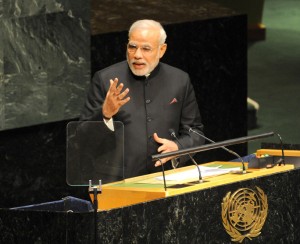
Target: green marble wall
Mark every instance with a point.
(44, 60)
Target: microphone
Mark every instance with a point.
(172, 133)
(225, 148)
(281, 160)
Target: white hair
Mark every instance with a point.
(146, 24)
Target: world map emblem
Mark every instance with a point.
(244, 213)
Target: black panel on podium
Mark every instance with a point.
(94, 152)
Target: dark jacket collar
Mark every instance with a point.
(143, 77)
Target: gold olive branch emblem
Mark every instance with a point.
(244, 213)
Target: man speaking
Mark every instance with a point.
(149, 97)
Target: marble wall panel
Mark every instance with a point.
(21, 8)
(69, 76)
(1, 8)
(23, 44)
(1, 44)
(44, 60)
(1, 104)
(25, 97)
(1, 72)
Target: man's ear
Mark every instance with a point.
(163, 49)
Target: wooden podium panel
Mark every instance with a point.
(148, 187)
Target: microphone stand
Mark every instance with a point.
(281, 160)
(163, 171)
(225, 148)
(95, 190)
(206, 147)
(172, 132)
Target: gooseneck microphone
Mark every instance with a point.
(172, 133)
(281, 160)
(225, 148)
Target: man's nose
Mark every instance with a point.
(138, 53)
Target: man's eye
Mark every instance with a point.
(132, 46)
(146, 49)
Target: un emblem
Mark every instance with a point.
(244, 213)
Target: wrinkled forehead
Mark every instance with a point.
(145, 35)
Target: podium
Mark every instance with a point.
(190, 214)
(173, 206)
(196, 213)
(150, 187)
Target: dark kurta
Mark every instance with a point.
(165, 100)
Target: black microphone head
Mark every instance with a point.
(172, 132)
